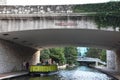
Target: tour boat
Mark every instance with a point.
(43, 69)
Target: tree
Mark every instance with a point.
(57, 55)
(93, 52)
(45, 54)
(103, 55)
(96, 53)
(70, 54)
(60, 55)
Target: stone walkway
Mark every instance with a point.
(110, 72)
(12, 74)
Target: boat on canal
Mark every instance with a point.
(43, 69)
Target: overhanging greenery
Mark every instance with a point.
(107, 14)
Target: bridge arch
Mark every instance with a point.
(39, 30)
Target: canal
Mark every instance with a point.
(78, 73)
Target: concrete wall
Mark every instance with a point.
(42, 23)
(111, 59)
(35, 58)
(118, 60)
(12, 56)
(20, 24)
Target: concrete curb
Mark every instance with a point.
(12, 74)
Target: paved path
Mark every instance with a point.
(111, 72)
(12, 74)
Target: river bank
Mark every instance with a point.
(109, 72)
(66, 66)
(62, 66)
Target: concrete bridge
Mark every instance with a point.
(25, 30)
(88, 60)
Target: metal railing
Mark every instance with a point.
(88, 59)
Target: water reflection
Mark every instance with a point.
(44, 78)
(83, 73)
(79, 73)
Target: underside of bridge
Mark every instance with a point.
(64, 37)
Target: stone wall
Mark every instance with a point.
(111, 59)
(118, 60)
(12, 56)
(9, 25)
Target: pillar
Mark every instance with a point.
(110, 54)
(35, 58)
(96, 63)
(118, 60)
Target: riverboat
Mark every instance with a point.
(43, 69)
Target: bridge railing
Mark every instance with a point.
(90, 60)
(35, 9)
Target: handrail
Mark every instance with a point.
(90, 59)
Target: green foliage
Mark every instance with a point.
(99, 7)
(93, 52)
(96, 53)
(60, 55)
(57, 55)
(107, 14)
(105, 21)
(103, 55)
(45, 54)
(70, 54)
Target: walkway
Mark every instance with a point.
(110, 72)
(12, 74)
